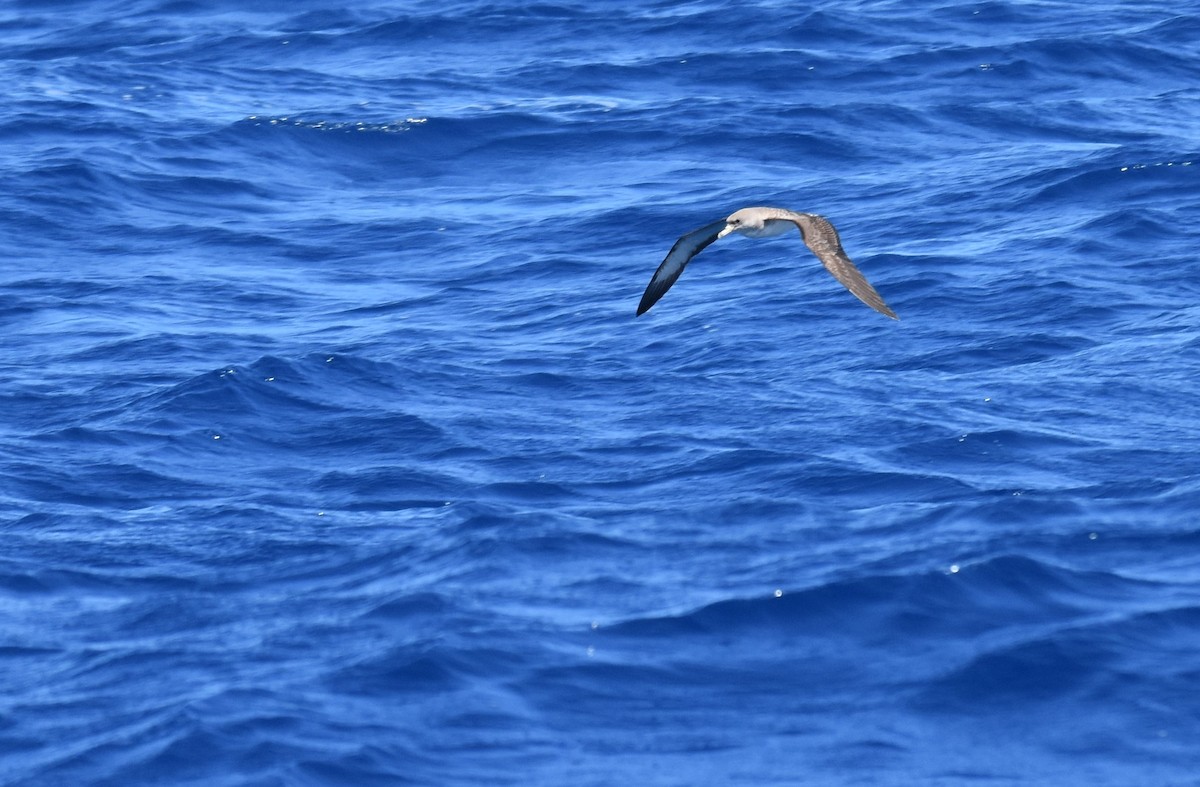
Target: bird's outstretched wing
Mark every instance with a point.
(822, 239)
(681, 253)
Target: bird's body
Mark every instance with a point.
(818, 234)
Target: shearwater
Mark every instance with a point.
(818, 234)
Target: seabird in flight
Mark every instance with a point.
(818, 234)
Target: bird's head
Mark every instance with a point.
(739, 221)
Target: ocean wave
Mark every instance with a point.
(333, 451)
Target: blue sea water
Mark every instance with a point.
(332, 452)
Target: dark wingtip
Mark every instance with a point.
(883, 308)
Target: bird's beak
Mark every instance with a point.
(728, 229)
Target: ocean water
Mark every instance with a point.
(332, 452)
